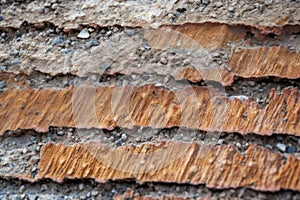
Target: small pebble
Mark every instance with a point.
(88, 195)
(124, 137)
(281, 147)
(230, 9)
(216, 55)
(155, 132)
(163, 61)
(1, 18)
(166, 79)
(201, 8)
(145, 77)
(55, 6)
(177, 14)
(33, 138)
(16, 52)
(186, 62)
(91, 30)
(133, 76)
(37, 149)
(108, 33)
(84, 34)
(256, 5)
(44, 187)
(105, 66)
(205, 2)
(130, 32)
(2, 84)
(22, 188)
(269, 146)
(219, 4)
(291, 149)
(60, 133)
(279, 138)
(147, 47)
(3, 68)
(95, 193)
(251, 83)
(34, 169)
(81, 186)
(91, 43)
(115, 29)
(111, 138)
(119, 143)
(220, 141)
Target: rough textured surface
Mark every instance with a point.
(118, 47)
(184, 52)
(250, 63)
(72, 14)
(219, 167)
(108, 107)
(129, 194)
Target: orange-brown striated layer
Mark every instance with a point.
(265, 61)
(172, 162)
(249, 63)
(108, 107)
(207, 35)
(211, 35)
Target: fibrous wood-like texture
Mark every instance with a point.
(249, 63)
(107, 107)
(207, 35)
(218, 167)
(272, 61)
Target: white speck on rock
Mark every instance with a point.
(84, 34)
(281, 147)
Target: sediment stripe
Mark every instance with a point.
(194, 107)
(249, 63)
(172, 162)
(200, 40)
(129, 194)
(141, 14)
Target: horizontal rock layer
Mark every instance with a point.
(117, 55)
(249, 63)
(72, 14)
(202, 108)
(217, 167)
(129, 194)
